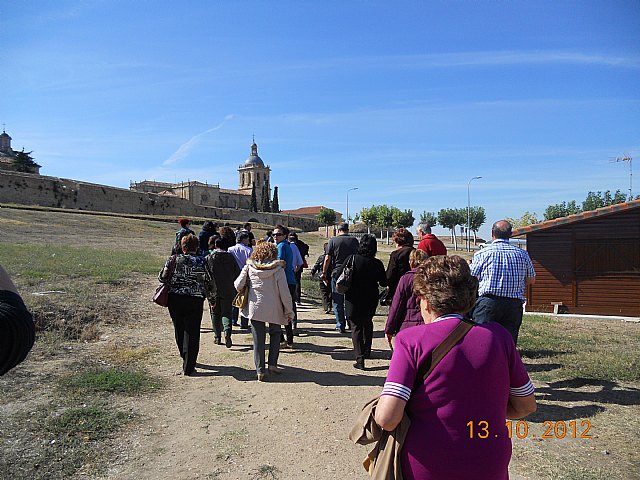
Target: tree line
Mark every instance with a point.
(453, 217)
(593, 201)
(387, 217)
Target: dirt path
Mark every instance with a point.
(224, 424)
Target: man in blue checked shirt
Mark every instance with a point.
(503, 271)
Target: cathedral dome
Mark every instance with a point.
(254, 159)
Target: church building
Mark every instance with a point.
(15, 161)
(252, 172)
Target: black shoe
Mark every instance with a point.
(218, 341)
(359, 366)
(227, 341)
(192, 373)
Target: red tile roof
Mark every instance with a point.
(308, 211)
(579, 217)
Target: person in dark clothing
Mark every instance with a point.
(361, 299)
(339, 249)
(405, 308)
(398, 260)
(185, 223)
(223, 270)
(303, 248)
(208, 230)
(17, 330)
(324, 288)
(187, 277)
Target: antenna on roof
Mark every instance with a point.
(626, 158)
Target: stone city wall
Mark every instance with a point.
(29, 189)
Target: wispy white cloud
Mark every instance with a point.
(474, 59)
(184, 149)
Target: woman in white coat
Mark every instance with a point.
(269, 301)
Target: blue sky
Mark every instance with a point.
(404, 100)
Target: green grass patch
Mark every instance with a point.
(586, 349)
(33, 264)
(92, 422)
(112, 380)
(50, 441)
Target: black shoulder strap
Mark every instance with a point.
(441, 350)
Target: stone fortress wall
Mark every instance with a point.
(33, 189)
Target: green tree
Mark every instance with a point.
(23, 162)
(450, 218)
(477, 217)
(402, 218)
(561, 210)
(384, 219)
(428, 218)
(369, 217)
(275, 207)
(598, 200)
(266, 203)
(527, 218)
(326, 217)
(253, 207)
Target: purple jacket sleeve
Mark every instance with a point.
(398, 308)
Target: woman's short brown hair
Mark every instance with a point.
(184, 222)
(416, 257)
(265, 251)
(189, 243)
(447, 284)
(228, 235)
(402, 237)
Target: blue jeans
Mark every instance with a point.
(259, 331)
(338, 305)
(503, 310)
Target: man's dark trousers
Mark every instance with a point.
(503, 310)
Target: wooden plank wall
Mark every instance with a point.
(592, 267)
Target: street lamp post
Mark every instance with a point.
(354, 188)
(469, 212)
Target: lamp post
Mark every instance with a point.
(469, 212)
(354, 188)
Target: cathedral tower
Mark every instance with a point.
(253, 171)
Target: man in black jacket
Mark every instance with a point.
(339, 249)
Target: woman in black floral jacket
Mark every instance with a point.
(186, 275)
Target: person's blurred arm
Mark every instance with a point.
(6, 283)
(520, 407)
(17, 330)
(389, 412)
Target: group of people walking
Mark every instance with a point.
(460, 320)
(267, 271)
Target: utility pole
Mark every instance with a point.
(469, 212)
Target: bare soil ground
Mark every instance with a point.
(223, 424)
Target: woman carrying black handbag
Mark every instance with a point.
(361, 300)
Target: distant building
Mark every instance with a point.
(9, 158)
(252, 172)
(311, 212)
(588, 263)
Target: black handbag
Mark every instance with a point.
(343, 283)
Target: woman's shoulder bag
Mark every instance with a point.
(161, 295)
(343, 283)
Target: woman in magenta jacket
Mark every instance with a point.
(405, 309)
